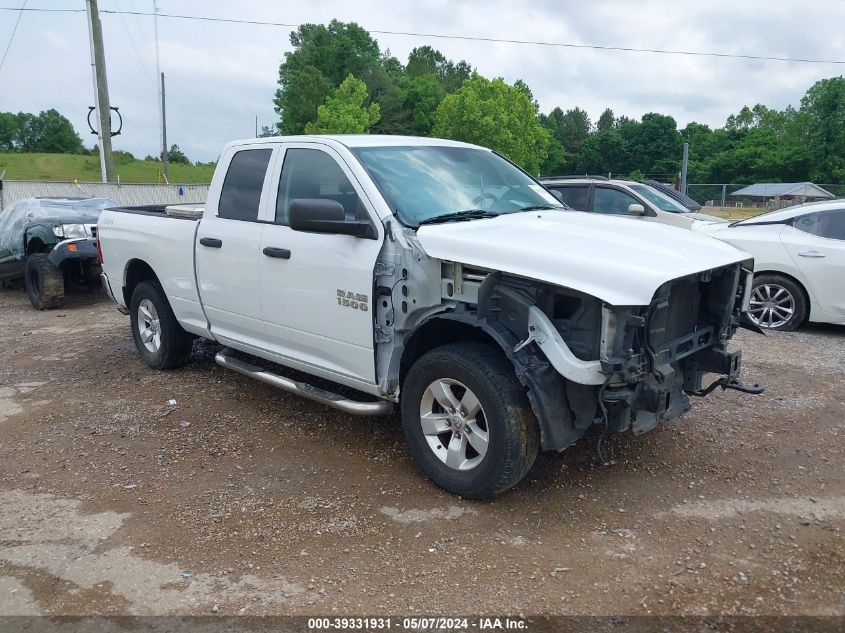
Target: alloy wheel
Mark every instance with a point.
(772, 306)
(149, 326)
(454, 424)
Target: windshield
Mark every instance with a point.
(426, 182)
(658, 199)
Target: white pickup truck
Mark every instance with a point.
(436, 275)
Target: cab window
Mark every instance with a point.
(242, 186)
(312, 173)
(614, 201)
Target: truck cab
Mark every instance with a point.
(438, 276)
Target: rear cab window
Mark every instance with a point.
(241, 192)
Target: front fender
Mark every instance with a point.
(39, 232)
(547, 390)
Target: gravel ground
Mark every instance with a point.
(240, 499)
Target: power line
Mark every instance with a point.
(14, 30)
(135, 48)
(470, 38)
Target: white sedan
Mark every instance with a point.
(799, 263)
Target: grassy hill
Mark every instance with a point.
(20, 166)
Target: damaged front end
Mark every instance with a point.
(635, 370)
(678, 339)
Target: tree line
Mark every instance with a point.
(337, 80)
(51, 132)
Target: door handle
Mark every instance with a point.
(812, 254)
(211, 242)
(278, 253)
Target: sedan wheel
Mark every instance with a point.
(772, 306)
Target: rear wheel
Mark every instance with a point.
(45, 284)
(468, 421)
(160, 340)
(777, 303)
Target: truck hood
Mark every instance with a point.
(616, 260)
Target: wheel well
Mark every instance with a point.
(778, 273)
(136, 272)
(35, 245)
(435, 333)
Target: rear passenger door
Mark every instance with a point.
(816, 243)
(317, 288)
(227, 248)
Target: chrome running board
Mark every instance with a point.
(379, 407)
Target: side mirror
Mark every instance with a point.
(557, 194)
(324, 215)
(636, 209)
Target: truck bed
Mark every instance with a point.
(165, 242)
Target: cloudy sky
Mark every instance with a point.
(221, 76)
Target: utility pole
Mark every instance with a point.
(163, 133)
(684, 166)
(161, 121)
(101, 90)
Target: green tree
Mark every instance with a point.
(425, 60)
(574, 127)
(495, 115)
(653, 145)
(606, 121)
(344, 111)
(28, 137)
(422, 95)
(47, 131)
(8, 131)
(823, 112)
(298, 102)
(57, 134)
(323, 56)
(176, 155)
(604, 152)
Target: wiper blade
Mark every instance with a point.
(455, 216)
(542, 207)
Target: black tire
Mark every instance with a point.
(175, 345)
(801, 309)
(512, 429)
(45, 284)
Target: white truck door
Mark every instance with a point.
(317, 288)
(227, 247)
(816, 243)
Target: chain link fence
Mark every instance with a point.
(124, 194)
(719, 195)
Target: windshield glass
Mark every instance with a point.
(658, 199)
(425, 182)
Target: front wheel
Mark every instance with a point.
(160, 340)
(468, 421)
(777, 303)
(45, 284)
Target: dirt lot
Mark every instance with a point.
(239, 499)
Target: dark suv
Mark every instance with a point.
(50, 243)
